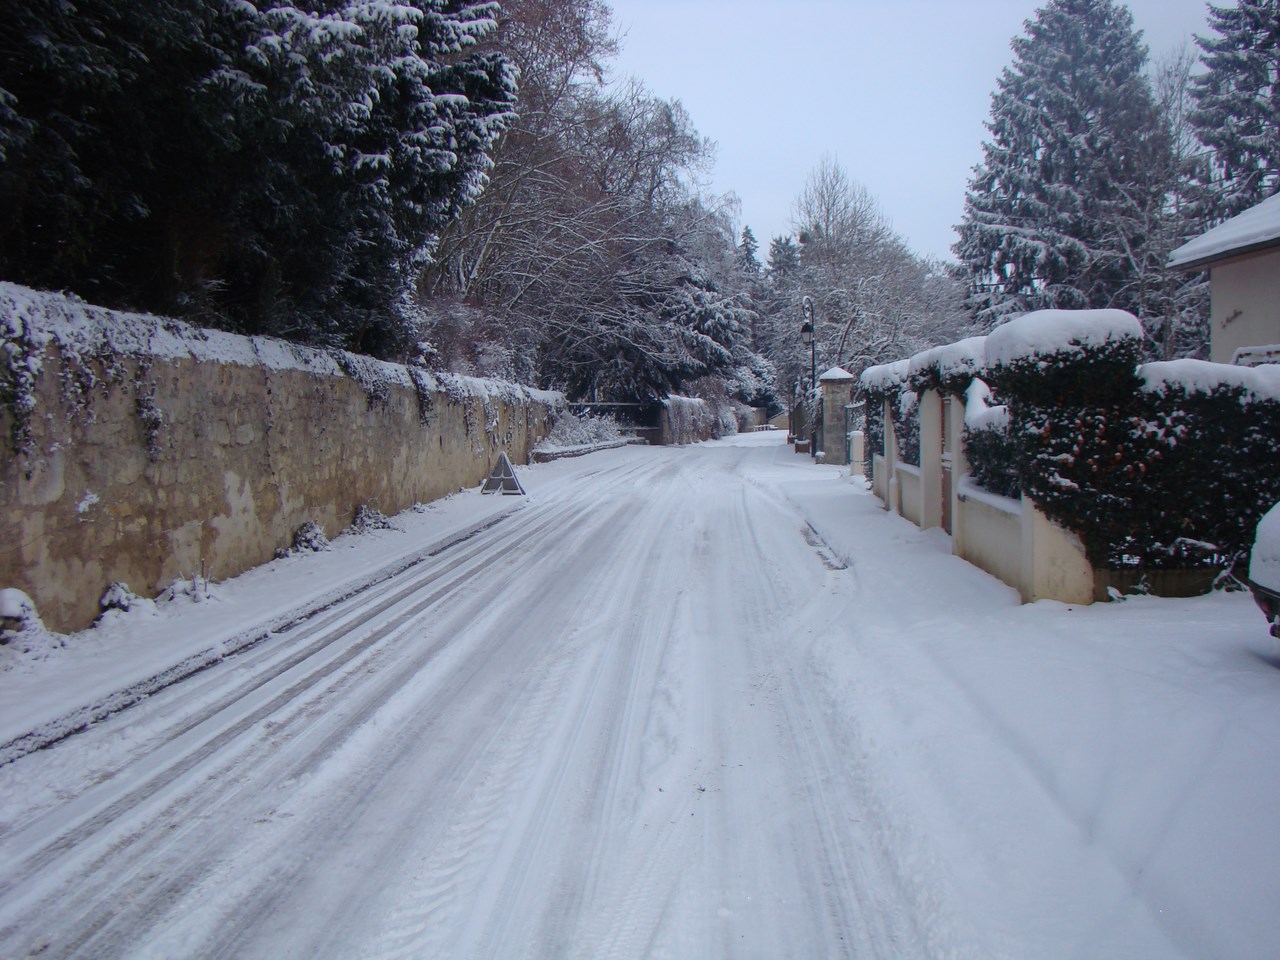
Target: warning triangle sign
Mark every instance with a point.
(503, 479)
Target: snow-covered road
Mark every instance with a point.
(661, 710)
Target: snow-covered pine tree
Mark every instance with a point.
(268, 168)
(748, 262)
(1237, 105)
(1060, 203)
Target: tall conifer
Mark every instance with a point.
(1060, 204)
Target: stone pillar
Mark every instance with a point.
(837, 391)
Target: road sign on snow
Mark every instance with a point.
(503, 479)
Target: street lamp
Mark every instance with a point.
(808, 338)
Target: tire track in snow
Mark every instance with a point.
(546, 527)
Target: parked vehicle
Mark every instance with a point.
(1264, 568)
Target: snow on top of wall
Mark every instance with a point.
(1257, 225)
(1044, 332)
(1202, 376)
(963, 356)
(835, 374)
(1264, 564)
(886, 377)
(42, 318)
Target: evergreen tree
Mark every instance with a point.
(1237, 105)
(784, 258)
(748, 263)
(272, 170)
(1056, 215)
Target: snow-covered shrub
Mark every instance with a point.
(310, 537)
(1068, 377)
(948, 369)
(197, 589)
(21, 629)
(689, 419)
(118, 596)
(369, 517)
(879, 383)
(990, 450)
(1207, 435)
(579, 430)
(118, 600)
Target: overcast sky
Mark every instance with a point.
(896, 90)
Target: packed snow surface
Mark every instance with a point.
(1259, 224)
(695, 702)
(1049, 332)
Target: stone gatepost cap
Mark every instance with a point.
(835, 375)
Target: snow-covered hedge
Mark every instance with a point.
(571, 430)
(950, 368)
(1165, 464)
(992, 456)
(890, 381)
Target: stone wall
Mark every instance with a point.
(143, 450)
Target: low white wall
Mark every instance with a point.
(909, 490)
(988, 532)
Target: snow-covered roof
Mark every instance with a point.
(1045, 332)
(1256, 229)
(835, 374)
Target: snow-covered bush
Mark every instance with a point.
(310, 537)
(369, 517)
(1162, 465)
(21, 629)
(991, 452)
(1206, 438)
(118, 600)
(198, 588)
(948, 369)
(885, 381)
(579, 430)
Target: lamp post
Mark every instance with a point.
(808, 338)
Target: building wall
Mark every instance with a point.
(143, 465)
(1245, 307)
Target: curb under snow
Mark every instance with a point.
(50, 732)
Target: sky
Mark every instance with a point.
(895, 90)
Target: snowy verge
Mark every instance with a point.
(545, 454)
(126, 658)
